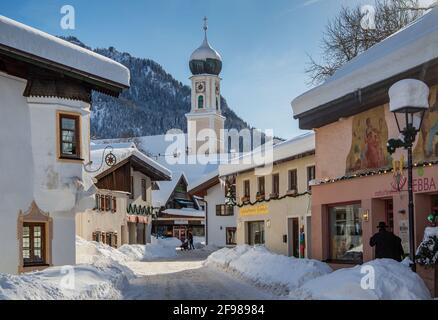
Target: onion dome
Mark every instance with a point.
(205, 60)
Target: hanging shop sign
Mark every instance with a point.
(181, 222)
(254, 210)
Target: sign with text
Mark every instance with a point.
(254, 210)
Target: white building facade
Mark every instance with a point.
(45, 89)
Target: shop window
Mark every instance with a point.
(33, 244)
(69, 136)
(293, 180)
(346, 243)
(275, 185)
(311, 175)
(256, 232)
(143, 189)
(261, 186)
(231, 236)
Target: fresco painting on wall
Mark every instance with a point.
(368, 147)
(427, 145)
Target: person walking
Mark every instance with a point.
(190, 238)
(388, 245)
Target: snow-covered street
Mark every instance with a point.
(161, 271)
(185, 277)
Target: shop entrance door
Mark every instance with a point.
(389, 214)
(179, 232)
(293, 237)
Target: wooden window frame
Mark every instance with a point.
(35, 216)
(223, 210)
(78, 136)
(313, 167)
(114, 205)
(276, 184)
(32, 262)
(259, 184)
(246, 187)
(293, 185)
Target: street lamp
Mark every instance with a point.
(409, 101)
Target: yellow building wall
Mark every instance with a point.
(275, 213)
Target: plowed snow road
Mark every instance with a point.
(185, 278)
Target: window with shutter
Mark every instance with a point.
(143, 189)
(293, 180)
(114, 205)
(96, 206)
(132, 188)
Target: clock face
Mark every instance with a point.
(200, 87)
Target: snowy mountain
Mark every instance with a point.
(155, 103)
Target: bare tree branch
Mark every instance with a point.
(345, 38)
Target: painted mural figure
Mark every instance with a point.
(427, 146)
(368, 149)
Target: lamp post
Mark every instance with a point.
(409, 100)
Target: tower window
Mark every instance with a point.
(200, 102)
(217, 103)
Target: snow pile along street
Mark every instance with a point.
(310, 279)
(266, 269)
(382, 279)
(65, 283)
(158, 248)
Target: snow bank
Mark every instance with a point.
(89, 252)
(393, 281)
(267, 269)
(103, 280)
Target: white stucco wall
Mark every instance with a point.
(30, 170)
(217, 224)
(16, 173)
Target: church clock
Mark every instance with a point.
(200, 87)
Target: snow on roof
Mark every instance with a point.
(161, 196)
(32, 41)
(410, 47)
(121, 151)
(186, 212)
(281, 151)
(203, 179)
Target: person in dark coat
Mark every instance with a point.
(190, 238)
(387, 244)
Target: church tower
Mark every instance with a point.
(205, 113)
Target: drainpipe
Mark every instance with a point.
(206, 222)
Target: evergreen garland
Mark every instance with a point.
(140, 210)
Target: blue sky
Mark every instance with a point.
(264, 44)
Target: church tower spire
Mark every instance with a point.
(205, 65)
